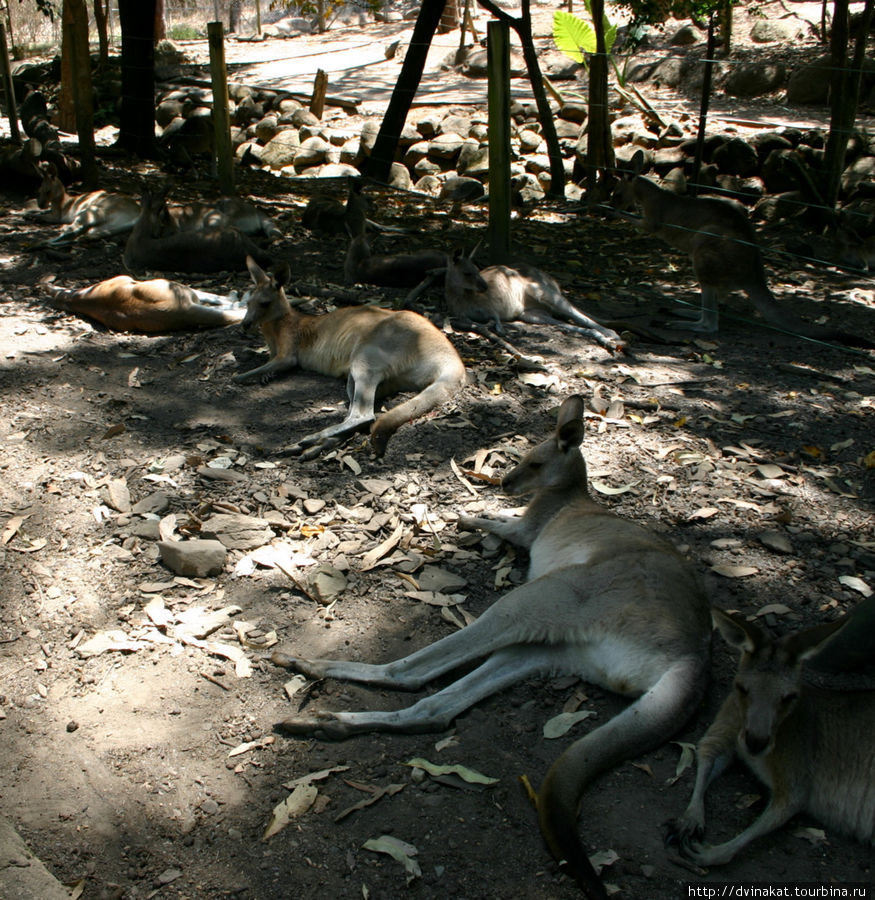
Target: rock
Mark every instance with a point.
(860, 171)
(573, 112)
(777, 541)
(686, 36)
(473, 160)
(22, 875)
(368, 135)
(460, 125)
(458, 189)
(781, 172)
(303, 117)
(399, 177)
(313, 152)
(156, 503)
(428, 184)
(752, 79)
(736, 157)
(766, 31)
(236, 531)
(667, 158)
(116, 495)
(810, 84)
(445, 146)
(529, 141)
(196, 558)
(281, 150)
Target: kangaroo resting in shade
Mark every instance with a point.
(380, 352)
(606, 600)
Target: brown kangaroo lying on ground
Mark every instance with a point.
(154, 307)
(813, 748)
(520, 293)
(380, 351)
(722, 244)
(212, 250)
(96, 213)
(401, 270)
(606, 600)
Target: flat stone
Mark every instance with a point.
(237, 532)
(196, 558)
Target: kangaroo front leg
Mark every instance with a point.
(266, 372)
(434, 713)
(507, 526)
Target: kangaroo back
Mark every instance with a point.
(401, 270)
(213, 250)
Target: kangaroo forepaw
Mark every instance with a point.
(324, 725)
(684, 835)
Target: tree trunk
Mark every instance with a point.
(844, 94)
(81, 94)
(235, 14)
(137, 124)
(523, 27)
(449, 17)
(599, 145)
(160, 21)
(101, 22)
(66, 110)
(379, 163)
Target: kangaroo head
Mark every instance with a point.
(623, 196)
(464, 273)
(769, 677)
(267, 300)
(556, 463)
(50, 187)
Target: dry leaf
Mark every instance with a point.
(370, 559)
(603, 488)
(704, 512)
(856, 584)
(729, 571)
(774, 609)
(398, 850)
(294, 806)
(12, 526)
(466, 774)
(564, 722)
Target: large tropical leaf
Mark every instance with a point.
(572, 35)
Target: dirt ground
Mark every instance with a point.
(145, 763)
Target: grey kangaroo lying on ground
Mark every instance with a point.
(813, 748)
(153, 307)
(519, 293)
(723, 248)
(606, 600)
(380, 351)
(211, 250)
(400, 270)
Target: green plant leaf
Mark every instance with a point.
(572, 35)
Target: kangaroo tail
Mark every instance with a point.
(643, 725)
(431, 397)
(772, 312)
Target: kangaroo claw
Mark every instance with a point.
(320, 725)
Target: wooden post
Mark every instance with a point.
(498, 64)
(221, 119)
(8, 87)
(258, 17)
(320, 86)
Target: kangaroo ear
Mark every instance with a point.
(569, 425)
(638, 162)
(804, 644)
(255, 270)
(282, 274)
(738, 633)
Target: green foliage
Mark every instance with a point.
(184, 33)
(574, 37)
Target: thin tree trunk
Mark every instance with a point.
(523, 27)
(599, 145)
(100, 22)
(379, 163)
(845, 94)
(75, 25)
(137, 124)
(160, 22)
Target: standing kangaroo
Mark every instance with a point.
(722, 245)
(813, 748)
(606, 600)
(380, 351)
(95, 214)
(153, 307)
(212, 250)
(520, 293)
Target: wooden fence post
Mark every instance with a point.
(498, 64)
(221, 119)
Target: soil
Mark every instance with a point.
(120, 766)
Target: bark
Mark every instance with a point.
(379, 163)
(599, 145)
(523, 27)
(101, 21)
(137, 124)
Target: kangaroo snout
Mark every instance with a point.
(756, 744)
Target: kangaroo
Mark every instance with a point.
(605, 600)
(211, 250)
(813, 748)
(380, 351)
(328, 215)
(95, 214)
(520, 293)
(722, 245)
(153, 307)
(227, 212)
(402, 270)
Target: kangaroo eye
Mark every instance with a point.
(787, 699)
